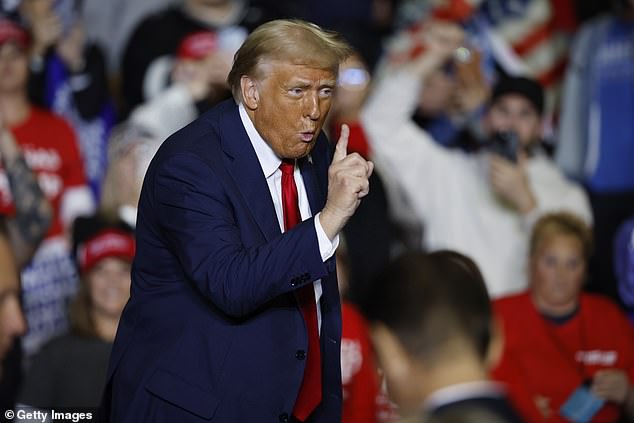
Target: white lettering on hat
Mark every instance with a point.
(107, 242)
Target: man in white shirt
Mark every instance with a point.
(480, 204)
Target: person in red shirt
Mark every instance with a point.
(50, 149)
(559, 340)
(363, 399)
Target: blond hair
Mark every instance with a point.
(561, 223)
(289, 40)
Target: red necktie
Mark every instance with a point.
(310, 391)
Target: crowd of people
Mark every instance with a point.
(488, 270)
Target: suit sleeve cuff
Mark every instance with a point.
(327, 248)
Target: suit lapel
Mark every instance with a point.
(244, 167)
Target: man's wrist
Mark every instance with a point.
(527, 204)
(331, 223)
(327, 246)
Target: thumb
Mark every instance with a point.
(341, 150)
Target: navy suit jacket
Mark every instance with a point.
(212, 330)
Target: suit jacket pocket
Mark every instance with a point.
(180, 393)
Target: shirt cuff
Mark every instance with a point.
(327, 248)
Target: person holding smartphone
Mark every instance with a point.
(480, 204)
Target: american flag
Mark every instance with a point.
(528, 37)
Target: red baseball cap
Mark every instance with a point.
(198, 45)
(10, 31)
(107, 243)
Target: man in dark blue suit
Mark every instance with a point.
(218, 327)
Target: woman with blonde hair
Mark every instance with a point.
(568, 355)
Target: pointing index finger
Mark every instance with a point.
(341, 150)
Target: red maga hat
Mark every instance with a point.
(12, 32)
(198, 45)
(107, 243)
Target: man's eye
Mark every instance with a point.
(325, 92)
(295, 91)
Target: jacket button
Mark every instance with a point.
(300, 354)
(283, 417)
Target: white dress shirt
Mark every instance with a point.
(270, 164)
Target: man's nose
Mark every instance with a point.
(561, 271)
(505, 125)
(311, 106)
(513, 122)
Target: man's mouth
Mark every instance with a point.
(307, 136)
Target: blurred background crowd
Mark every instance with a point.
(500, 129)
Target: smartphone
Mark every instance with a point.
(505, 144)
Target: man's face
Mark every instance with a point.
(513, 112)
(13, 68)
(291, 105)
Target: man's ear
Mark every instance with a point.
(391, 354)
(496, 347)
(405, 375)
(250, 93)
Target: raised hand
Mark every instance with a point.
(510, 181)
(440, 40)
(46, 27)
(347, 184)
